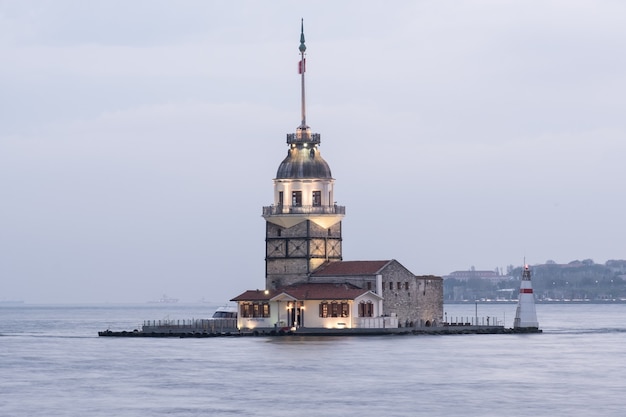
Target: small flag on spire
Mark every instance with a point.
(302, 66)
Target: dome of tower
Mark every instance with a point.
(303, 162)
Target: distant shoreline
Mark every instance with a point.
(539, 302)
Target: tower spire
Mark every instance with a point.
(302, 70)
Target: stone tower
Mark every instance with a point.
(303, 225)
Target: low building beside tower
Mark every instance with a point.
(308, 285)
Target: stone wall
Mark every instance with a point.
(430, 299)
(415, 300)
(293, 253)
(399, 292)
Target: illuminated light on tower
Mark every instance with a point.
(526, 315)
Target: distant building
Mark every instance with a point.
(618, 266)
(307, 282)
(491, 276)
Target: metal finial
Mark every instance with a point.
(302, 47)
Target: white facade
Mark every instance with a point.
(286, 312)
(526, 314)
(306, 187)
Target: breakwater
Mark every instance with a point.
(441, 330)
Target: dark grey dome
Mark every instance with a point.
(303, 162)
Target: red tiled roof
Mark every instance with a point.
(255, 295)
(324, 291)
(350, 268)
(310, 291)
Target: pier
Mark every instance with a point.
(456, 329)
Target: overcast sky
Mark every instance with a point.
(139, 139)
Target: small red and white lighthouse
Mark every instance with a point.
(526, 315)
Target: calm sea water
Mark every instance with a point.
(53, 364)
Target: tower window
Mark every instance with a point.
(280, 198)
(296, 198)
(317, 198)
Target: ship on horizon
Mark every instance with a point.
(164, 300)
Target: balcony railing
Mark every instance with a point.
(375, 322)
(281, 210)
(303, 138)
